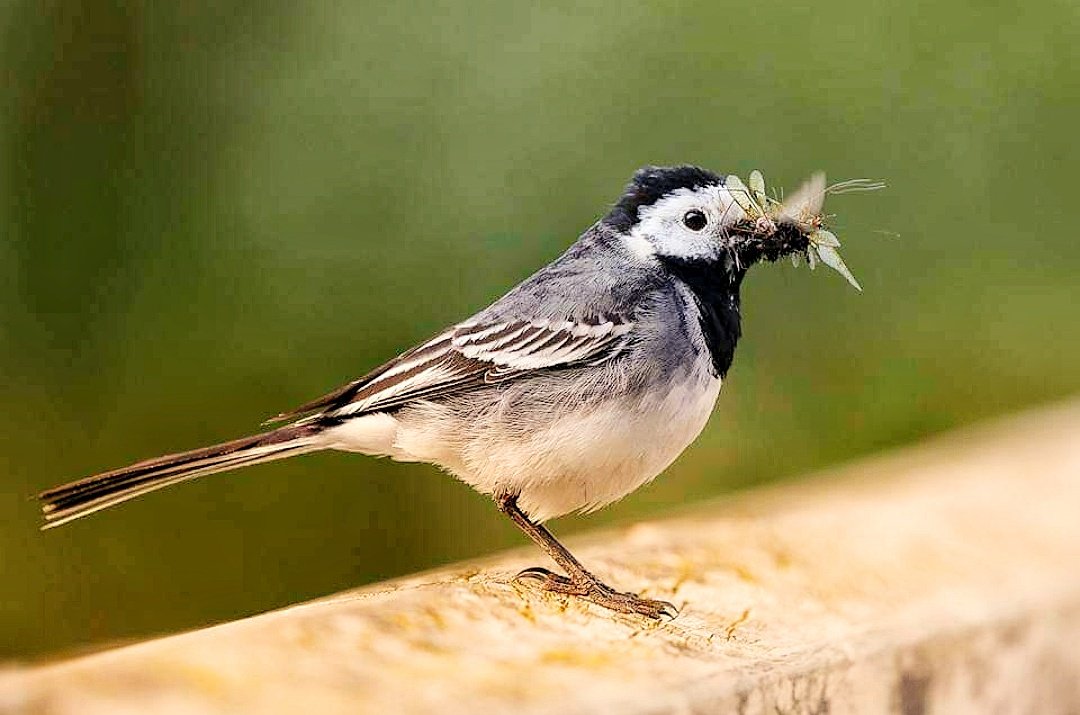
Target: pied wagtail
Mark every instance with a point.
(571, 391)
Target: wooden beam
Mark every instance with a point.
(945, 578)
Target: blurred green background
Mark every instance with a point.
(212, 211)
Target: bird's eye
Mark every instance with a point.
(694, 220)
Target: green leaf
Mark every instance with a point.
(740, 194)
(757, 188)
(831, 258)
(821, 237)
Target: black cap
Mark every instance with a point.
(652, 183)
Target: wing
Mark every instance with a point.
(473, 353)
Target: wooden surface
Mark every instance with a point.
(943, 579)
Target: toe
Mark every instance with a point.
(548, 581)
(655, 609)
(534, 574)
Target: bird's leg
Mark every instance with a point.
(578, 581)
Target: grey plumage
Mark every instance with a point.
(506, 436)
(576, 387)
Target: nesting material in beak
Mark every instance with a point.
(795, 226)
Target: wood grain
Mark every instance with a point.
(945, 578)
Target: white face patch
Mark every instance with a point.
(660, 230)
(639, 245)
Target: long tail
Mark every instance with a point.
(100, 491)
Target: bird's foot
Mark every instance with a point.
(599, 593)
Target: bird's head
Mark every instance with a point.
(686, 214)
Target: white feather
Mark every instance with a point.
(541, 344)
(806, 201)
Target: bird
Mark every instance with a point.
(575, 388)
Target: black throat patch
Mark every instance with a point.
(716, 292)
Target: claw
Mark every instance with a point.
(668, 610)
(534, 573)
(553, 582)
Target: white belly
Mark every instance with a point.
(577, 462)
(583, 462)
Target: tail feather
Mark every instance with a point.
(71, 501)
